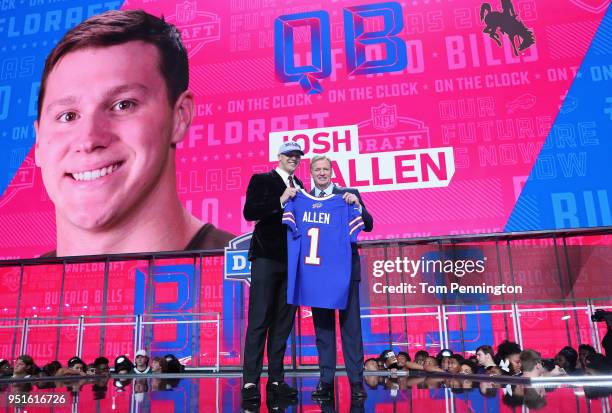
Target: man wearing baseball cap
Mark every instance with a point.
(141, 360)
(269, 314)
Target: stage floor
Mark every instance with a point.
(221, 393)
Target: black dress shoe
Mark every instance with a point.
(324, 391)
(250, 394)
(282, 390)
(357, 391)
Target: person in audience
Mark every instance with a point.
(453, 365)
(174, 365)
(76, 363)
(142, 363)
(102, 366)
(50, 369)
(402, 359)
(159, 365)
(370, 364)
(567, 359)
(508, 354)
(443, 357)
(584, 350)
(551, 369)
(389, 360)
(597, 364)
(468, 367)
(24, 367)
(6, 370)
(514, 361)
(431, 364)
(606, 342)
(420, 356)
(74, 367)
(123, 365)
(484, 357)
(531, 364)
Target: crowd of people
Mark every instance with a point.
(96, 373)
(509, 360)
(25, 367)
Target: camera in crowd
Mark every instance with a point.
(602, 315)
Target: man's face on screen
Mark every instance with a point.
(104, 139)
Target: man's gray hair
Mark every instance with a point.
(319, 158)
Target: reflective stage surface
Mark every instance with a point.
(222, 394)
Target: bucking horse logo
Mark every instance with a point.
(509, 25)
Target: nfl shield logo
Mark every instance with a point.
(186, 11)
(384, 117)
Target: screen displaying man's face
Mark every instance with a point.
(104, 136)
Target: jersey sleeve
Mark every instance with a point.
(289, 218)
(355, 223)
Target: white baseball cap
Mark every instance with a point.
(290, 146)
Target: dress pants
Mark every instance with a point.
(269, 317)
(350, 329)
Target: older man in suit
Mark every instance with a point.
(350, 321)
(269, 314)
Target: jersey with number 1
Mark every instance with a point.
(320, 232)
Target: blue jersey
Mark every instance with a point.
(320, 232)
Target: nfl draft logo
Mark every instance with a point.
(10, 281)
(236, 265)
(186, 12)
(24, 179)
(197, 27)
(412, 132)
(384, 117)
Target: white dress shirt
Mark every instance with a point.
(330, 191)
(283, 174)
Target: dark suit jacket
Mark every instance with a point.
(368, 222)
(263, 205)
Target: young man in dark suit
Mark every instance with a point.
(350, 321)
(269, 314)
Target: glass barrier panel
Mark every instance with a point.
(546, 328)
(479, 325)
